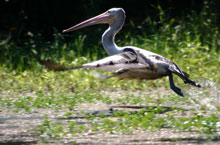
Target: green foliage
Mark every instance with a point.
(198, 123)
(58, 129)
(50, 101)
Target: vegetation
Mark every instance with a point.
(192, 42)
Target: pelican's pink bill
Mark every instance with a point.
(95, 20)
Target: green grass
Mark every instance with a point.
(192, 42)
(124, 122)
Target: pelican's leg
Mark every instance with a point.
(172, 85)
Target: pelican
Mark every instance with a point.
(129, 62)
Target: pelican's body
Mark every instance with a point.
(129, 61)
(134, 63)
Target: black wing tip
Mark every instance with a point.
(188, 81)
(198, 85)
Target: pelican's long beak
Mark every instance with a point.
(100, 19)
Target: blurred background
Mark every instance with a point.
(19, 17)
(29, 28)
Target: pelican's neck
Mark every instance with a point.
(108, 38)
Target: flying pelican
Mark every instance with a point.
(129, 61)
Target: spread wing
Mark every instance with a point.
(126, 60)
(122, 61)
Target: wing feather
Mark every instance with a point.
(125, 60)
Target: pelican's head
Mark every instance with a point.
(108, 17)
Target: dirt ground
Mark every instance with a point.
(17, 128)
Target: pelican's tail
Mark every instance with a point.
(56, 67)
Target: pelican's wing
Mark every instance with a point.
(127, 60)
(122, 61)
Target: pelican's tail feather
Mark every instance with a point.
(56, 67)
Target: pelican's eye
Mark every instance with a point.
(109, 12)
